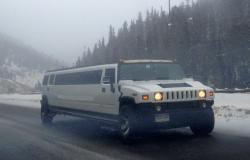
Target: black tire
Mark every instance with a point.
(46, 115)
(128, 121)
(204, 124)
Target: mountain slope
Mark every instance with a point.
(21, 67)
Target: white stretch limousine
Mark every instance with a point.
(132, 95)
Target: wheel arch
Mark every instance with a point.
(44, 97)
(126, 101)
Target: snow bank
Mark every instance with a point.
(22, 100)
(238, 100)
(10, 86)
(232, 106)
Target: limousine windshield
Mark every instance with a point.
(151, 71)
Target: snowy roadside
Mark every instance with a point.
(232, 106)
(22, 100)
(239, 100)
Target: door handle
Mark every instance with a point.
(103, 89)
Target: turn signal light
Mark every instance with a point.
(211, 93)
(145, 97)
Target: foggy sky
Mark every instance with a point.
(62, 28)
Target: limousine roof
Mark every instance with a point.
(146, 61)
(75, 69)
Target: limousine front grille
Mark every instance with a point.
(182, 95)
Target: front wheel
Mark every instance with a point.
(204, 124)
(46, 115)
(127, 122)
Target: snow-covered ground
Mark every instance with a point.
(21, 75)
(22, 100)
(232, 112)
(239, 100)
(232, 106)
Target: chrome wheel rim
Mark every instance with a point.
(125, 127)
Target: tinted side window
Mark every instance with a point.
(45, 80)
(110, 73)
(51, 79)
(60, 79)
(89, 77)
(66, 79)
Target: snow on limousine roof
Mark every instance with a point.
(107, 65)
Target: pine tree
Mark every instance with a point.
(210, 39)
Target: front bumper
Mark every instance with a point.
(181, 114)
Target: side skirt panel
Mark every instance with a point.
(104, 118)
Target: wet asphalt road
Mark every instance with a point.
(23, 137)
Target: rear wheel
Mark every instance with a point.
(127, 122)
(46, 114)
(204, 124)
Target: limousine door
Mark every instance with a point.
(108, 98)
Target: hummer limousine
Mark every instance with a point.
(132, 95)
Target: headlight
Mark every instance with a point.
(158, 96)
(202, 94)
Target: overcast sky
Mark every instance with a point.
(62, 28)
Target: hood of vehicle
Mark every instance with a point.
(163, 85)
